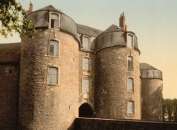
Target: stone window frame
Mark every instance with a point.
(59, 20)
(133, 88)
(133, 111)
(58, 75)
(132, 40)
(89, 42)
(58, 54)
(89, 86)
(89, 64)
(131, 66)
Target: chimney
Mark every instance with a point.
(122, 24)
(30, 7)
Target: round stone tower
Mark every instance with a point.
(151, 83)
(49, 72)
(117, 80)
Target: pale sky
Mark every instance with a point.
(154, 22)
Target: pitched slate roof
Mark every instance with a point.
(90, 31)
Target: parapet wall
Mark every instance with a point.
(106, 124)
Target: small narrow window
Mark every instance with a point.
(130, 85)
(130, 41)
(130, 63)
(54, 47)
(86, 42)
(85, 85)
(52, 78)
(130, 107)
(86, 64)
(54, 20)
(52, 23)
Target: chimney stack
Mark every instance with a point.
(30, 7)
(122, 24)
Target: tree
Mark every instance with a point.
(13, 18)
(169, 110)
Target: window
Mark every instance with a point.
(130, 107)
(86, 64)
(130, 41)
(54, 20)
(130, 63)
(85, 85)
(130, 85)
(52, 78)
(53, 49)
(86, 42)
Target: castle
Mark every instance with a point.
(66, 70)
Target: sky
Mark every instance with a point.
(154, 22)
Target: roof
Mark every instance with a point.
(90, 31)
(150, 72)
(10, 53)
(145, 66)
(48, 8)
(112, 28)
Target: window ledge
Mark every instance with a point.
(52, 85)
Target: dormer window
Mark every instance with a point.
(86, 43)
(54, 20)
(130, 41)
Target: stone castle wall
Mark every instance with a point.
(41, 106)
(9, 84)
(111, 94)
(152, 99)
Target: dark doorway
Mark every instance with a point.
(85, 110)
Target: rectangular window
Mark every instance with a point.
(86, 43)
(86, 64)
(53, 50)
(130, 85)
(130, 63)
(85, 85)
(52, 77)
(52, 23)
(130, 107)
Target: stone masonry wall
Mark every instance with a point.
(44, 107)
(111, 95)
(151, 99)
(9, 85)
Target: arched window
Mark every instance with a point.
(130, 85)
(130, 63)
(54, 20)
(54, 48)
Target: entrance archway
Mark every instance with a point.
(85, 110)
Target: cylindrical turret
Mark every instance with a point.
(151, 83)
(117, 80)
(49, 73)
